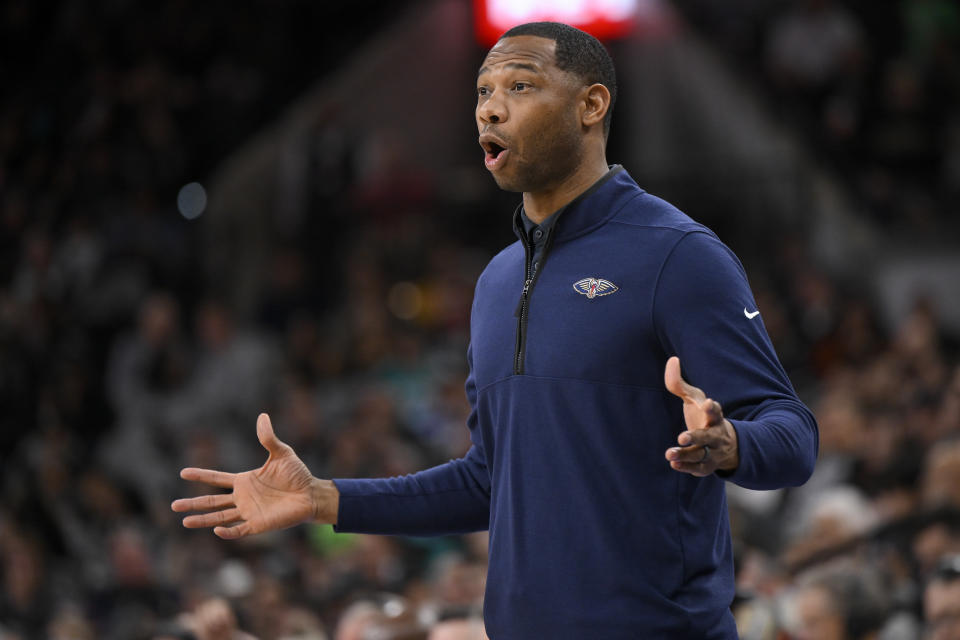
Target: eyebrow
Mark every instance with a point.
(512, 65)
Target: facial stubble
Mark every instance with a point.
(551, 155)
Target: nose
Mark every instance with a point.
(492, 110)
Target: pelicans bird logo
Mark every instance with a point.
(593, 287)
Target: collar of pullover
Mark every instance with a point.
(589, 210)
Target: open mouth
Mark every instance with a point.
(495, 153)
(494, 149)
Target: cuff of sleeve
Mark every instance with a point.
(349, 511)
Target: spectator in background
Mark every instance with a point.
(146, 370)
(839, 603)
(70, 624)
(837, 516)
(388, 618)
(357, 619)
(941, 476)
(212, 619)
(25, 591)
(941, 601)
(458, 629)
(939, 539)
(815, 50)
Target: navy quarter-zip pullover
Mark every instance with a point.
(592, 534)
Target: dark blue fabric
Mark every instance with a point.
(536, 235)
(592, 534)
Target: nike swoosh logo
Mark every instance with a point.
(750, 316)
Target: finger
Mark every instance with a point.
(216, 518)
(209, 476)
(234, 532)
(673, 379)
(685, 454)
(203, 503)
(699, 469)
(267, 437)
(712, 436)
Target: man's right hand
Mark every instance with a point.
(280, 494)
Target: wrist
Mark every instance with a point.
(732, 460)
(326, 501)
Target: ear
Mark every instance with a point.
(596, 102)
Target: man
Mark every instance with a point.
(574, 330)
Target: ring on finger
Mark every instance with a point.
(706, 453)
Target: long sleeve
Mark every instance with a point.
(705, 313)
(447, 499)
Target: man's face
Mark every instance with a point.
(527, 115)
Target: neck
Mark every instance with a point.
(540, 205)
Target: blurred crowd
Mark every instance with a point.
(873, 86)
(120, 365)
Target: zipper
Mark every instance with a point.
(522, 321)
(523, 308)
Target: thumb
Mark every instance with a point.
(673, 379)
(267, 437)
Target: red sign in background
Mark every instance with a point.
(604, 19)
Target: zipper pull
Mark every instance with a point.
(523, 298)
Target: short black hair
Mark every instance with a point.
(578, 53)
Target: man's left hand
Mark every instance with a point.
(710, 442)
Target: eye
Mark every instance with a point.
(520, 86)
(481, 91)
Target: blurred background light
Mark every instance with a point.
(405, 300)
(192, 200)
(605, 19)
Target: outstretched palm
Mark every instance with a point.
(278, 495)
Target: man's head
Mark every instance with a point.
(579, 53)
(545, 93)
